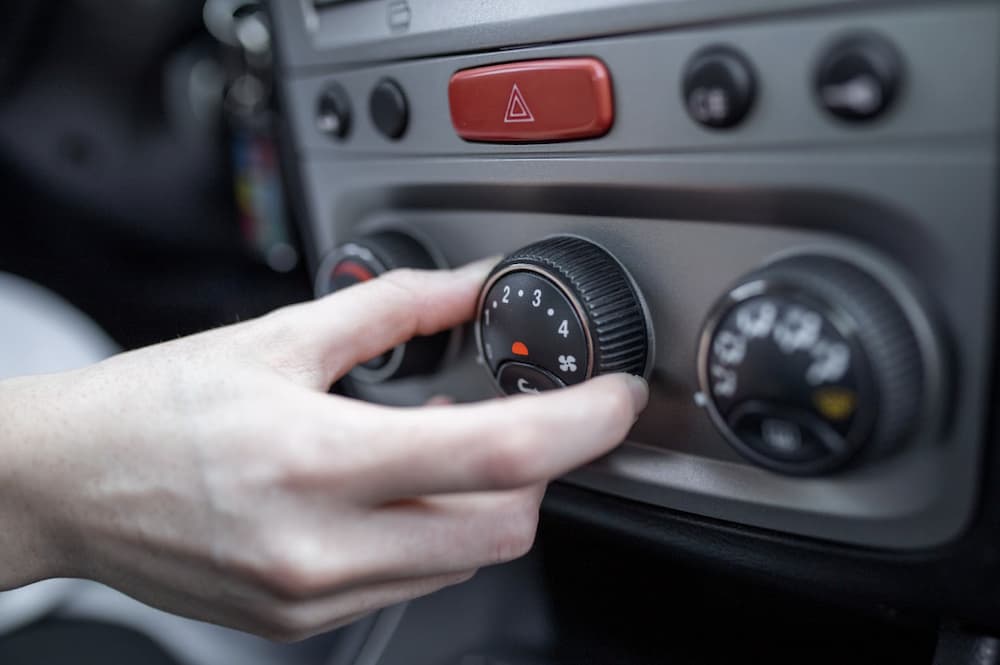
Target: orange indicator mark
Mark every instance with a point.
(519, 349)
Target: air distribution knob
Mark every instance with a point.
(808, 362)
(366, 258)
(558, 312)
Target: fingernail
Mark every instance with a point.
(640, 392)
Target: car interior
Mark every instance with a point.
(781, 213)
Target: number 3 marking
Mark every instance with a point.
(538, 298)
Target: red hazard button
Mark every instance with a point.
(535, 100)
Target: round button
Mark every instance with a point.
(791, 436)
(389, 109)
(558, 312)
(808, 362)
(858, 78)
(333, 111)
(718, 87)
(515, 378)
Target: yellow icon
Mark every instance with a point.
(835, 403)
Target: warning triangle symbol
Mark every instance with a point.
(517, 108)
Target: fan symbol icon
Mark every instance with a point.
(567, 363)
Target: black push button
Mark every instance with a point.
(858, 78)
(718, 87)
(333, 111)
(389, 109)
(517, 378)
(786, 437)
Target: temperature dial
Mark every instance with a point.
(558, 312)
(808, 361)
(367, 258)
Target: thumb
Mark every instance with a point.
(365, 320)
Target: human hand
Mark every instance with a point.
(214, 477)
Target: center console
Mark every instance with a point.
(782, 214)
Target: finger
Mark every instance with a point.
(423, 537)
(440, 400)
(499, 444)
(455, 532)
(291, 621)
(359, 323)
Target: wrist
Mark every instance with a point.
(30, 549)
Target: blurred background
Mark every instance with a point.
(140, 185)
(138, 163)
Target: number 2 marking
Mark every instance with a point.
(506, 295)
(564, 328)
(538, 298)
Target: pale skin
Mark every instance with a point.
(214, 476)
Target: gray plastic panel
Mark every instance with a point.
(912, 198)
(380, 30)
(939, 97)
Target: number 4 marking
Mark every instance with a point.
(564, 328)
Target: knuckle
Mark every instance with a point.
(406, 288)
(517, 536)
(305, 463)
(291, 579)
(402, 283)
(285, 572)
(404, 279)
(512, 460)
(283, 342)
(285, 623)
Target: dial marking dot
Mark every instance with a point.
(494, 304)
(551, 312)
(520, 293)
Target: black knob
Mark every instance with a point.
(558, 312)
(719, 87)
(807, 362)
(858, 77)
(366, 258)
(389, 110)
(333, 111)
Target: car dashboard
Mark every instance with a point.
(782, 213)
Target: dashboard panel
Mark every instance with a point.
(797, 200)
